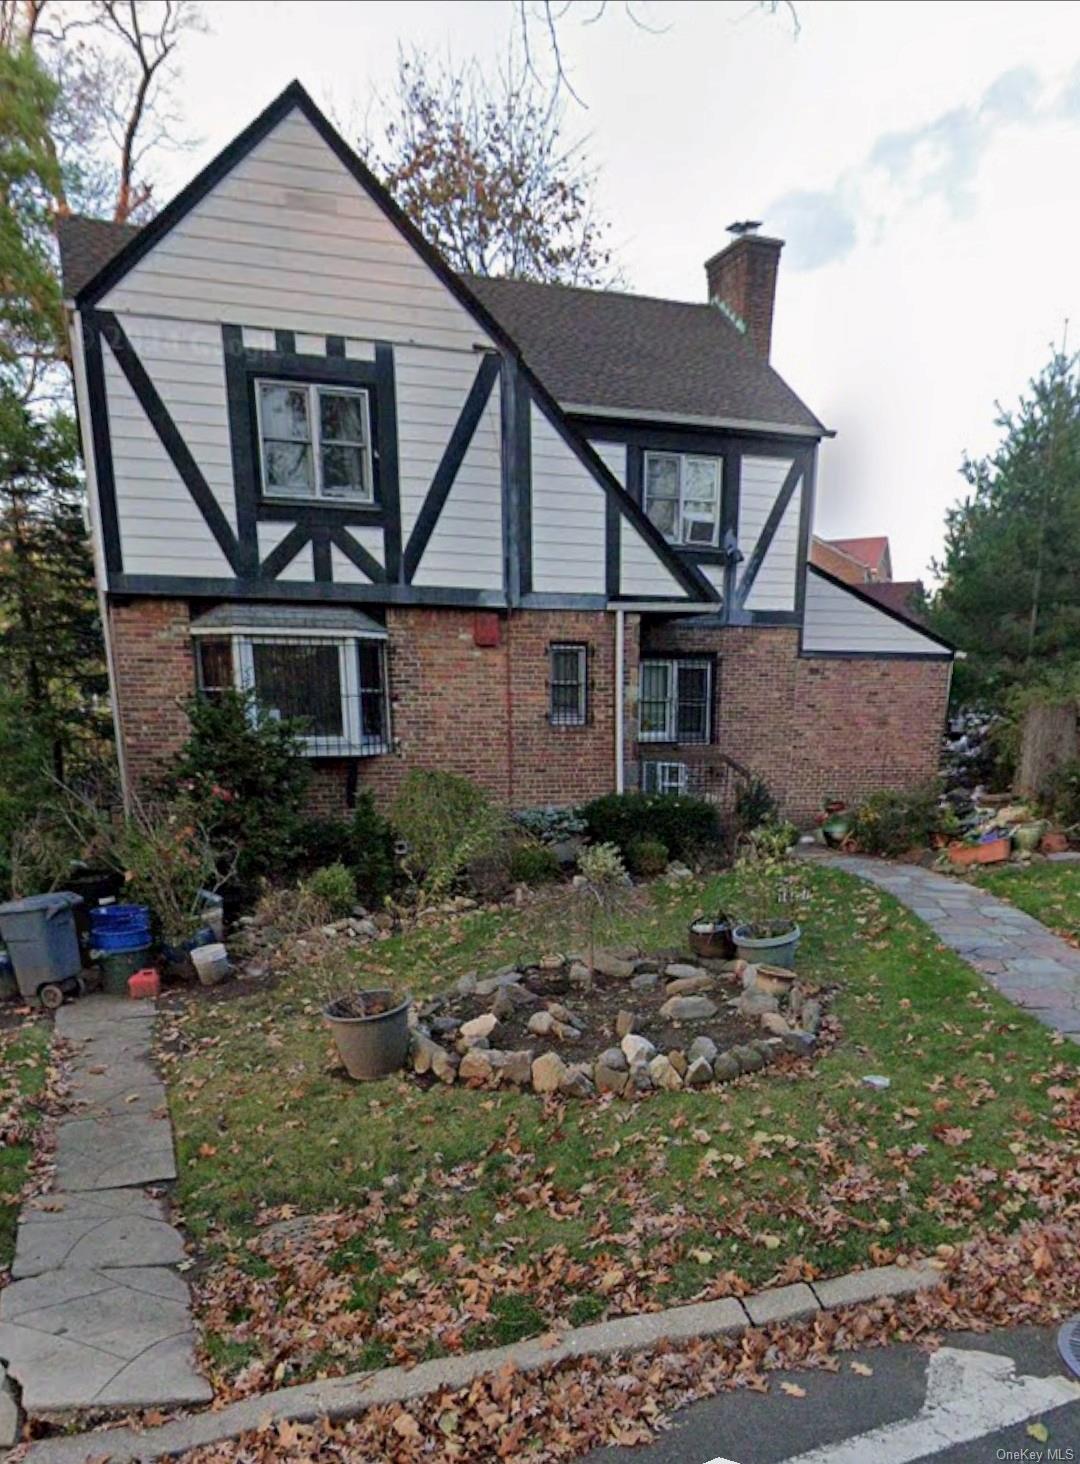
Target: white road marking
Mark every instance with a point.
(968, 1395)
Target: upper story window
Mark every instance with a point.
(682, 497)
(315, 441)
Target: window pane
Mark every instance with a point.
(343, 472)
(215, 665)
(289, 467)
(654, 717)
(664, 513)
(661, 476)
(374, 732)
(341, 418)
(302, 682)
(692, 713)
(284, 412)
(568, 685)
(701, 478)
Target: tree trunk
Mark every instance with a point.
(1049, 739)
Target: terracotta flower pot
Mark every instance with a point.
(994, 851)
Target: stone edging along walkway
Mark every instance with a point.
(346, 1397)
(1013, 951)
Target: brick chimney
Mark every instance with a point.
(742, 282)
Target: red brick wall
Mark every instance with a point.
(154, 665)
(815, 725)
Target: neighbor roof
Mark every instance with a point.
(590, 348)
(900, 595)
(870, 551)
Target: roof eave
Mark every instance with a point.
(689, 419)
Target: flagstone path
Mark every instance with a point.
(95, 1316)
(1016, 954)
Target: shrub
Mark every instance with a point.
(447, 823)
(533, 864)
(754, 805)
(551, 825)
(364, 843)
(168, 860)
(773, 838)
(684, 825)
(291, 911)
(891, 823)
(647, 858)
(246, 775)
(1063, 793)
(335, 886)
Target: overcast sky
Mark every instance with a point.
(921, 159)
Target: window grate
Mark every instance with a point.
(568, 685)
(675, 700)
(334, 689)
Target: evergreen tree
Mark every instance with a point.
(1010, 593)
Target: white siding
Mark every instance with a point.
(302, 567)
(760, 482)
(642, 573)
(714, 573)
(569, 513)
(836, 620)
(466, 547)
(344, 571)
(161, 529)
(289, 239)
(613, 456)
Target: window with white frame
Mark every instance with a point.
(333, 687)
(568, 684)
(664, 777)
(315, 441)
(675, 700)
(682, 497)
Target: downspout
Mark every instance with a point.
(620, 693)
(509, 714)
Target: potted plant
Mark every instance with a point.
(371, 1029)
(712, 939)
(764, 930)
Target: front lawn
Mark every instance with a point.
(23, 1077)
(1050, 892)
(458, 1219)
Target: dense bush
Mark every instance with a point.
(364, 843)
(685, 826)
(244, 772)
(551, 825)
(891, 823)
(647, 858)
(335, 886)
(533, 864)
(448, 824)
(1063, 794)
(169, 861)
(754, 805)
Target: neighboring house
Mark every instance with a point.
(554, 539)
(868, 564)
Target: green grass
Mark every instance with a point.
(23, 1074)
(1050, 892)
(562, 1213)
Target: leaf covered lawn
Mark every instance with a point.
(1050, 892)
(24, 1076)
(453, 1219)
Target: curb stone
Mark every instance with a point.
(341, 1398)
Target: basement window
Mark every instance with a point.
(568, 685)
(334, 688)
(664, 777)
(675, 701)
(315, 441)
(682, 498)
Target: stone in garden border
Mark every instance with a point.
(631, 1065)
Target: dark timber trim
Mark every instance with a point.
(243, 445)
(102, 447)
(364, 561)
(509, 433)
(285, 342)
(806, 527)
(934, 656)
(169, 436)
(730, 498)
(780, 506)
(335, 347)
(613, 547)
(523, 478)
(193, 587)
(320, 557)
(386, 443)
(285, 551)
(452, 458)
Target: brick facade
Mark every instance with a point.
(812, 725)
(807, 726)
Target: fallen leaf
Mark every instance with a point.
(793, 1390)
(862, 1369)
(1039, 1431)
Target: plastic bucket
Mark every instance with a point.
(119, 927)
(117, 966)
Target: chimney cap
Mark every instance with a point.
(744, 226)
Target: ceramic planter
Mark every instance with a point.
(711, 940)
(370, 1046)
(772, 950)
(1054, 842)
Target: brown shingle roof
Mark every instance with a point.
(595, 348)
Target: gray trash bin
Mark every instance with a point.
(41, 940)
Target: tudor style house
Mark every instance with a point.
(555, 539)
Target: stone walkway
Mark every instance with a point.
(1016, 954)
(95, 1318)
